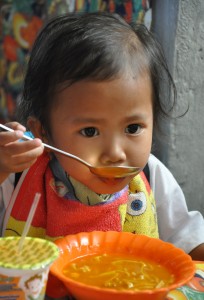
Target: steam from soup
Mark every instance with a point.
(118, 272)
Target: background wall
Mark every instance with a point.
(179, 25)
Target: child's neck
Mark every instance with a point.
(75, 190)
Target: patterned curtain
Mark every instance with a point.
(20, 20)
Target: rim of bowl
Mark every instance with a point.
(77, 238)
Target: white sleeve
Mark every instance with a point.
(176, 224)
(6, 190)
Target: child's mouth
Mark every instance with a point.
(111, 181)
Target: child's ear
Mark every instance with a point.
(36, 128)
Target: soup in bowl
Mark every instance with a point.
(117, 265)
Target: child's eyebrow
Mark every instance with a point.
(95, 120)
(136, 117)
(83, 120)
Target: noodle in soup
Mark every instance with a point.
(118, 272)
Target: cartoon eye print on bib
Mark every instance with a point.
(137, 204)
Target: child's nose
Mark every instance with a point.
(113, 153)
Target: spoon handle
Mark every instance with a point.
(48, 146)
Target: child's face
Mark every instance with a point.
(105, 123)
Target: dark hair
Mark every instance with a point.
(94, 46)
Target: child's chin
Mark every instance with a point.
(109, 186)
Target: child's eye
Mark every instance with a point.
(89, 131)
(133, 129)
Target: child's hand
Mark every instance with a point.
(16, 156)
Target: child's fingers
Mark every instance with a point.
(20, 167)
(17, 147)
(24, 166)
(15, 126)
(9, 137)
(16, 155)
(25, 160)
(19, 162)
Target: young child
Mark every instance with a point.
(93, 89)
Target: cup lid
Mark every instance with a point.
(36, 253)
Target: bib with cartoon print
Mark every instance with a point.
(67, 207)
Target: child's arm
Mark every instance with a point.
(198, 253)
(177, 224)
(17, 156)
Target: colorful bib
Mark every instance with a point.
(71, 208)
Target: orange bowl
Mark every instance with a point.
(97, 242)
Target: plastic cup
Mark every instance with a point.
(24, 275)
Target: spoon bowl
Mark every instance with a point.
(115, 172)
(106, 172)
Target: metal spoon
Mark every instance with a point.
(107, 172)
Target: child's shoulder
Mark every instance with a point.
(156, 165)
(153, 161)
(160, 176)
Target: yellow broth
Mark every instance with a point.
(118, 272)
